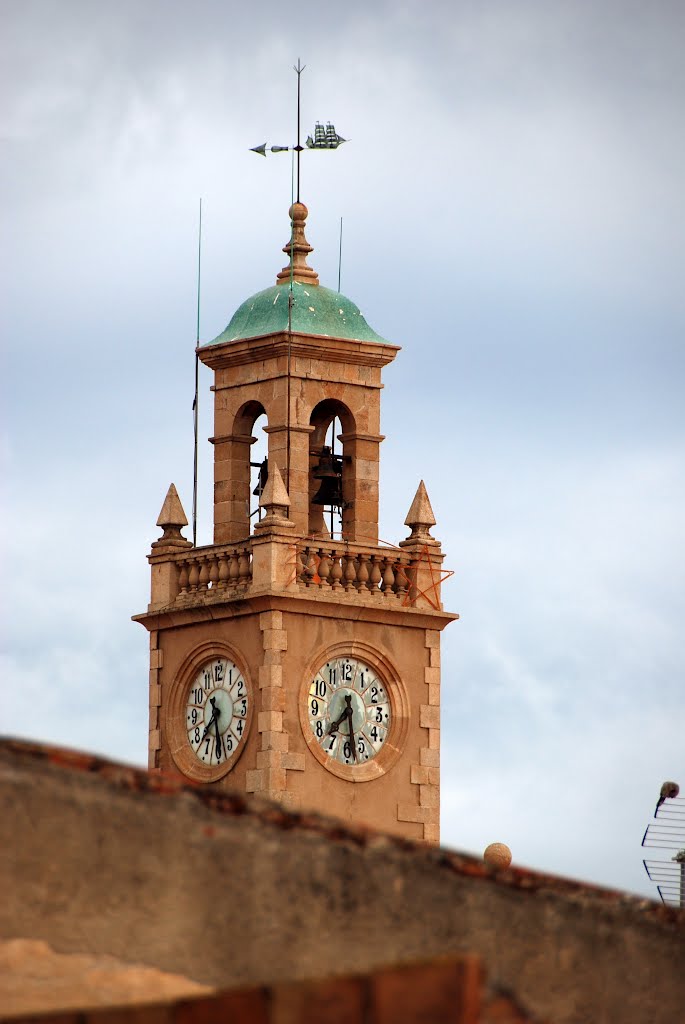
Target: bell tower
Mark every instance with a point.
(290, 658)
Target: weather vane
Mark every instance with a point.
(324, 137)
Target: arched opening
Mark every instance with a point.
(259, 467)
(330, 479)
(249, 464)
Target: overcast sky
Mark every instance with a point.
(512, 199)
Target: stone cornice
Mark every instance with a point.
(308, 346)
(322, 606)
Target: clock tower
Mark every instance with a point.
(290, 658)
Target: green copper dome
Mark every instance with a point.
(316, 310)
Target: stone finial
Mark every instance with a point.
(274, 499)
(171, 518)
(274, 496)
(497, 855)
(299, 247)
(420, 516)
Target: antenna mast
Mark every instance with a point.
(340, 255)
(197, 368)
(323, 138)
(298, 148)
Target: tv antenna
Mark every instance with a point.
(667, 832)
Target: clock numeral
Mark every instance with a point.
(229, 745)
(332, 674)
(208, 678)
(243, 707)
(319, 729)
(239, 727)
(361, 746)
(347, 750)
(379, 715)
(218, 672)
(320, 687)
(347, 672)
(193, 716)
(374, 695)
(197, 735)
(314, 708)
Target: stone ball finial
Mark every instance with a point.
(297, 249)
(298, 212)
(497, 855)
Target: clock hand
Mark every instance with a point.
(215, 715)
(218, 737)
(352, 744)
(347, 713)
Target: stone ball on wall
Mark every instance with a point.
(497, 855)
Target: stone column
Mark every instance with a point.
(360, 486)
(231, 487)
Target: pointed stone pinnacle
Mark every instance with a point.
(172, 513)
(171, 519)
(420, 514)
(274, 494)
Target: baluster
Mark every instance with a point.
(301, 566)
(305, 556)
(204, 572)
(400, 580)
(244, 568)
(350, 572)
(313, 568)
(234, 569)
(223, 572)
(182, 577)
(213, 571)
(193, 576)
(375, 576)
(324, 568)
(362, 572)
(411, 586)
(336, 571)
(388, 578)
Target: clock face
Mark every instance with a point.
(348, 711)
(216, 712)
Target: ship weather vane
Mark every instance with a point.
(324, 136)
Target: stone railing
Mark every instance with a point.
(214, 571)
(355, 569)
(347, 570)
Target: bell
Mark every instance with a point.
(329, 472)
(263, 477)
(329, 493)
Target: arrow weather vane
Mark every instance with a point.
(325, 137)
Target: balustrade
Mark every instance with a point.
(213, 571)
(348, 570)
(382, 573)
